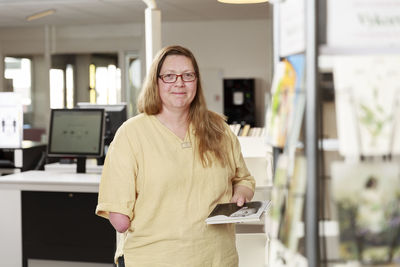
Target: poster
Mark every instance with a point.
(11, 120)
(367, 97)
(367, 197)
(292, 32)
(360, 23)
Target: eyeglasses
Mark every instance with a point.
(171, 77)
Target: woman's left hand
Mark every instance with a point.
(241, 195)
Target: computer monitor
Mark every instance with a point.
(76, 133)
(115, 116)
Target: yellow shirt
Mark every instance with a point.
(158, 180)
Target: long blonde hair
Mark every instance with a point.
(210, 128)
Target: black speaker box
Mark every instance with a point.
(239, 105)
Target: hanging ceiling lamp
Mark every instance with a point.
(242, 1)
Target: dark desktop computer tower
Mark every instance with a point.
(239, 105)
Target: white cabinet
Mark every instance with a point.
(258, 157)
(10, 230)
(252, 239)
(252, 249)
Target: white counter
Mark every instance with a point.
(59, 180)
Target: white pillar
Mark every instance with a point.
(47, 64)
(153, 34)
(124, 94)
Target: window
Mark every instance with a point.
(62, 87)
(18, 76)
(107, 84)
(56, 88)
(69, 85)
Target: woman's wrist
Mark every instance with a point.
(241, 194)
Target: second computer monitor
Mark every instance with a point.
(116, 114)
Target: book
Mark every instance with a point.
(279, 193)
(283, 117)
(235, 128)
(245, 130)
(231, 213)
(292, 217)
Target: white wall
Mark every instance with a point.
(236, 49)
(71, 39)
(225, 49)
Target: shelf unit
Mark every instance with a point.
(304, 39)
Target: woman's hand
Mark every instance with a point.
(119, 221)
(241, 195)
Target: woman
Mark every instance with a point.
(168, 167)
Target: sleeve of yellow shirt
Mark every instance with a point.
(118, 180)
(242, 176)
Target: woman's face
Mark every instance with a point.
(179, 94)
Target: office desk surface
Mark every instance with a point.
(61, 181)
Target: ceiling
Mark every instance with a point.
(85, 12)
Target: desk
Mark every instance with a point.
(63, 197)
(6, 171)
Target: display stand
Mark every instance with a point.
(335, 27)
(295, 24)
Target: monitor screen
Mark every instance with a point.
(76, 133)
(115, 116)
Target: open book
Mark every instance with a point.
(231, 213)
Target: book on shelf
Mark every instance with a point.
(231, 213)
(247, 130)
(292, 216)
(235, 128)
(284, 111)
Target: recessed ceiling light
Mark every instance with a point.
(41, 14)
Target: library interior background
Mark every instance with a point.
(311, 89)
